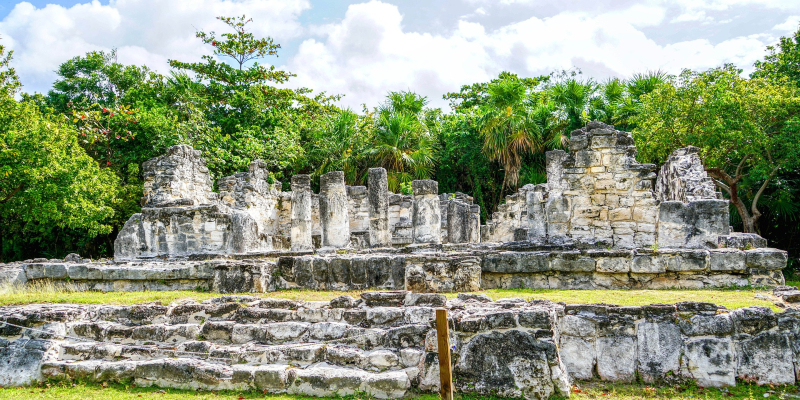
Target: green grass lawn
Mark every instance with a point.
(730, 298)
(583, 390)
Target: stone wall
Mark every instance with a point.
(385, 344)
(683, 178)
(564, 264)
(178, 178)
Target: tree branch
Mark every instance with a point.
(741, 164)
(753, 206)
(13, 192)
(722, 186)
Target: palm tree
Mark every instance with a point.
(509, 127)
(404, 141)
(334, 146)
(574, 98)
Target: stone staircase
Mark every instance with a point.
(237, 342)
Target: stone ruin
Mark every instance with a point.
(384, 344)
(602, 221)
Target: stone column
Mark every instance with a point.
(426, 215)
(537, 219)
(301, 213)
(333, 216)
(474, 223)
(457, 222)
(378, 187)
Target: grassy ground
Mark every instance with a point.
(593, 390)
(730, 298)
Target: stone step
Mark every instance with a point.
(320, 379)
(296, 355)
(230, 332)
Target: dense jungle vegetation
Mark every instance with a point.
(70, 159)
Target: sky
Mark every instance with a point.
(363, 50)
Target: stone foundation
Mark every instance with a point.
(385, 344)
(428, 268)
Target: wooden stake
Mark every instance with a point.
(445, 373)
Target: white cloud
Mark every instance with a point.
(371, 50)
(790, 25)
(144, 31)
(369, 53)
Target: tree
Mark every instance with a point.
(47, 181)
(782, 62)
(747, 130)
(241, 47)
(96, 78)
(9, 83)
(251, 118)
(513, 123)
(339, 145)
(574, 98)
(404, 138)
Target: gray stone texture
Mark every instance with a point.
(378, 186)
(333, 204)
(386, 344)
(301, 213)
(683, 178)
(426, 216)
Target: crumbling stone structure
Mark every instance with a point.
(602, 220)
(385, 344)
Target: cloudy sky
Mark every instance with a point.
(365, 49)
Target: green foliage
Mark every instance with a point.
(96, 78)
(783, 62)
(747, 130)
(404, 139)
(240, 46)
(47, 181)
(9, 82)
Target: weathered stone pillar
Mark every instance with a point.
(457, 222)
(333, 216)
(426, 215)
(537, 218)
(378, 187)
(474, 223)
(301, 213)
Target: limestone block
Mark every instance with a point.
(571, 261)
(683, 178)
(658, 349)
(767, 357)
(333, 210)
(726, 260)
(508, 364)
(743, 241)
(647, 263)
(616, 358)
(458, 222)
(427, 212)
(683, 260)
(578, 355)
(612, 261)
(711, 361)
(766, 258)
(301, 213)
(694, 225)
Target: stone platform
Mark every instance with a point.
(384, 344)
(428, 268)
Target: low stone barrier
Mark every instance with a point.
(385, 344)
(428, 268)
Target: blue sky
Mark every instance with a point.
(365, 49)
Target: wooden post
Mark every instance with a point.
(445, 373)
